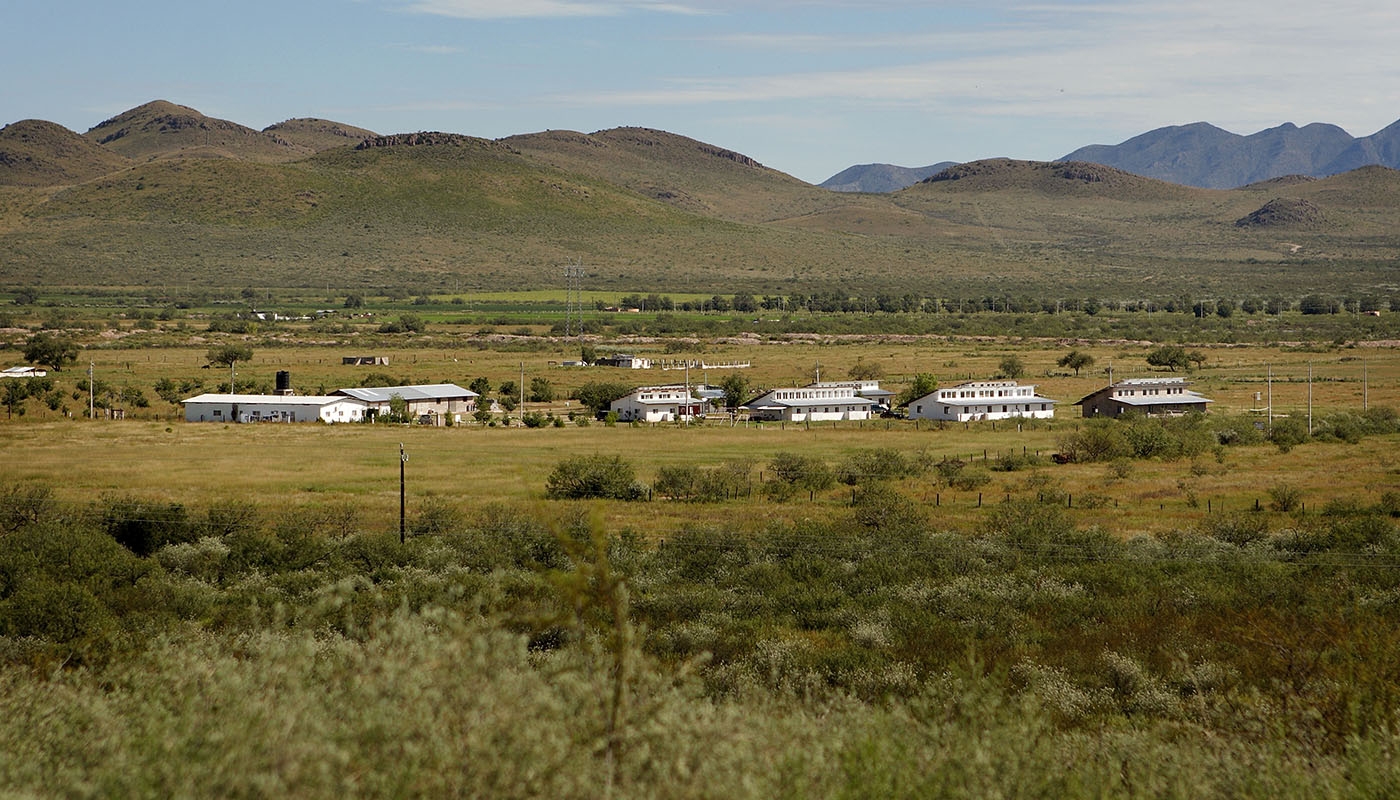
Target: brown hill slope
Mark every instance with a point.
(318, 134)
(679, 171)
(38, 153)
(161, 129)
(1058, 178)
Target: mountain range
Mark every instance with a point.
(163, 195)
(1198, 154)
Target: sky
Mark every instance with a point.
(808, 87)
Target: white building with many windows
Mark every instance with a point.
(815, 403)
(660, 404)
(982, 400)
(272, 408)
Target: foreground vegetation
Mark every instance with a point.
(519, 651)
(1204, 606)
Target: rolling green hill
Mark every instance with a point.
(318, 203)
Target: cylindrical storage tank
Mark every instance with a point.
(284, 382)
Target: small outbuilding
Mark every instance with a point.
(23, 372)
(1154, 397)
(272, 408)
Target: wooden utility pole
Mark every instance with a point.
(403, 528)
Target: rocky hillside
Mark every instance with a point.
(38, 153)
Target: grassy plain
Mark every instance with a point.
(155, 453)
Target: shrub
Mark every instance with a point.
(801, 472)
(878, 464)
(1288, 433)
(594, 476)
(145, 526)
(23, 504)
(1096, 440)
(1285, 498)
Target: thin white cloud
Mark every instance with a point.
(1244, 65)
(517, 9)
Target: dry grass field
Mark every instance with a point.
(300, 467)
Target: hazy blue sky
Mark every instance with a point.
(804, 86)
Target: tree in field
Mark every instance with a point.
(587, 353)
(227, 355)
(13, 396)
(482, 386)
(541, 390)
(50, 350)
(1012, 367)
(924, 383)
(1076, 361)
(864, 370)
(1171, 356)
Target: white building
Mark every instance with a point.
(434, 401)
(982, 400)
(23, 372)
(815, 403)
(625, 361)
(1153, 397)
(868, 389)
(660, 404)
(272, 408)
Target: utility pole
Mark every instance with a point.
(403, 528)
(92, 404)
(522, 393)
(1364, 386)
(1270, 425)
(1310, 398)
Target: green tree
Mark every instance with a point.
(398, 408)
(1076, 361)
(599, 395)
(1171, 356)
(482, 386)
(924, 383)
(229, 354)
(355, 301)
(541, 390)
(50, 350)
(13, 396)
(864, 370)
(509, 392)
(736, 388)
(1012, 367)
(587, 353)
(167, 390)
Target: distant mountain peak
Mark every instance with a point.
(880, 178)
(1202, 155)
